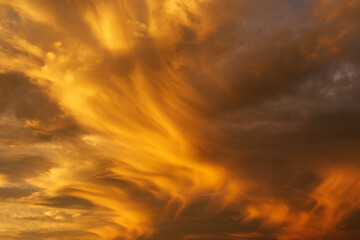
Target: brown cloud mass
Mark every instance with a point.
(175, 119)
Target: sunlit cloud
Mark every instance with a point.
(174, 119)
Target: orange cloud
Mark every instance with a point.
(124, 118)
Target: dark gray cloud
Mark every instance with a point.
(25, 99)
(36, 112)
(19, 168)
(198, 221)
(32, 235)
(65, 201)
(16, 192)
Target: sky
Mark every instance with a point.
(179, 119)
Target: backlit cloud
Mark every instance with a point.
(199, 119)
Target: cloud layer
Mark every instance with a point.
(203, 119)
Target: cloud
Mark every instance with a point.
(16, 192)
(30, 166)
(181, 119)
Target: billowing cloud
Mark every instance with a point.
(201, 119)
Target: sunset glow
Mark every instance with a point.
(179, 119)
